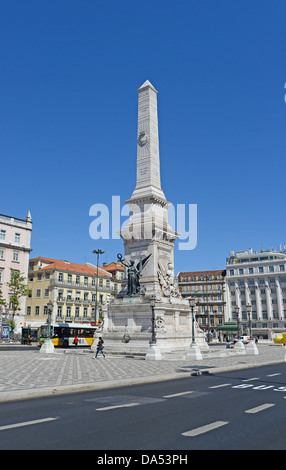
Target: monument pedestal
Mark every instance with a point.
(132, 317)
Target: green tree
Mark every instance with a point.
(3, 302)
(18, 289)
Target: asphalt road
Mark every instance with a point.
(238, 410)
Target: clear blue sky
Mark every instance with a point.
(70, 70)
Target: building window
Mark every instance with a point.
(77, 295)
(250, 270)
(241, 271)
(260, 269)
(47, 276)
(61, 277)
(85, 312)
(77, 280)
(60, 311)
(39, 277)
(282, 267)
(271, 269)
(2, 234)
(45, 310)
(76, 312)
(16, 256)
(38, 293)
(69, 278)
(1, 276)
(28, 311)
(85, 281)
(2, 254)
(68, 312)
(17, 237)
(231, 272)
(47, 291)
(261, 281)
(37, 310)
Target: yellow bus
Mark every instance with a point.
(63, 334)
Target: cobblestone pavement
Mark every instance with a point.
(27, 373)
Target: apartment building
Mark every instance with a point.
(257, 279)
(69, 286)
(208, 288)
(15, 247)
(117, 272)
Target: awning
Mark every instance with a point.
(230, 327)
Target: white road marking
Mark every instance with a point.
(273, 375)
(248, 380)
(26, 423)
(218, 386)
(203, 429)
(260, 408)
(105, 408)
(178, 394)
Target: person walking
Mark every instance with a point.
(99, 348)
(76, 340)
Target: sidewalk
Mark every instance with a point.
(29, 374)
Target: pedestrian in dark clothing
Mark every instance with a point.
(99, 348)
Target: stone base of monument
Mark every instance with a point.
(239, 347)
(128, 328)
(194, 353)
(251, 348)
(153, 353)
(47, 347)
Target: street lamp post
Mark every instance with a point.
(248, 309)
(194, 352)
(48, 346)
(154, 352)
(237, 320)
(239, 344)
(97, 252)
(152, 305)
(251, 347)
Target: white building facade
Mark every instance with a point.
(257, 279)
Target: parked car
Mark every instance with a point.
(244, 339)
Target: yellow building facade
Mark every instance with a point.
(71, 288)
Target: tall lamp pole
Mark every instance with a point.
(97, 252)
(248, 309)
(239, 344)
(48, 346)
(194, 352)
(251, 347)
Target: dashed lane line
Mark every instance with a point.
(204, 429)
(178, 394)
(27, 423)
(257, 409)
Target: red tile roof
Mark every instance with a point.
(202, 273)
(67, 266)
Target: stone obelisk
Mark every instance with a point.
(148, 181)
(148, 231)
